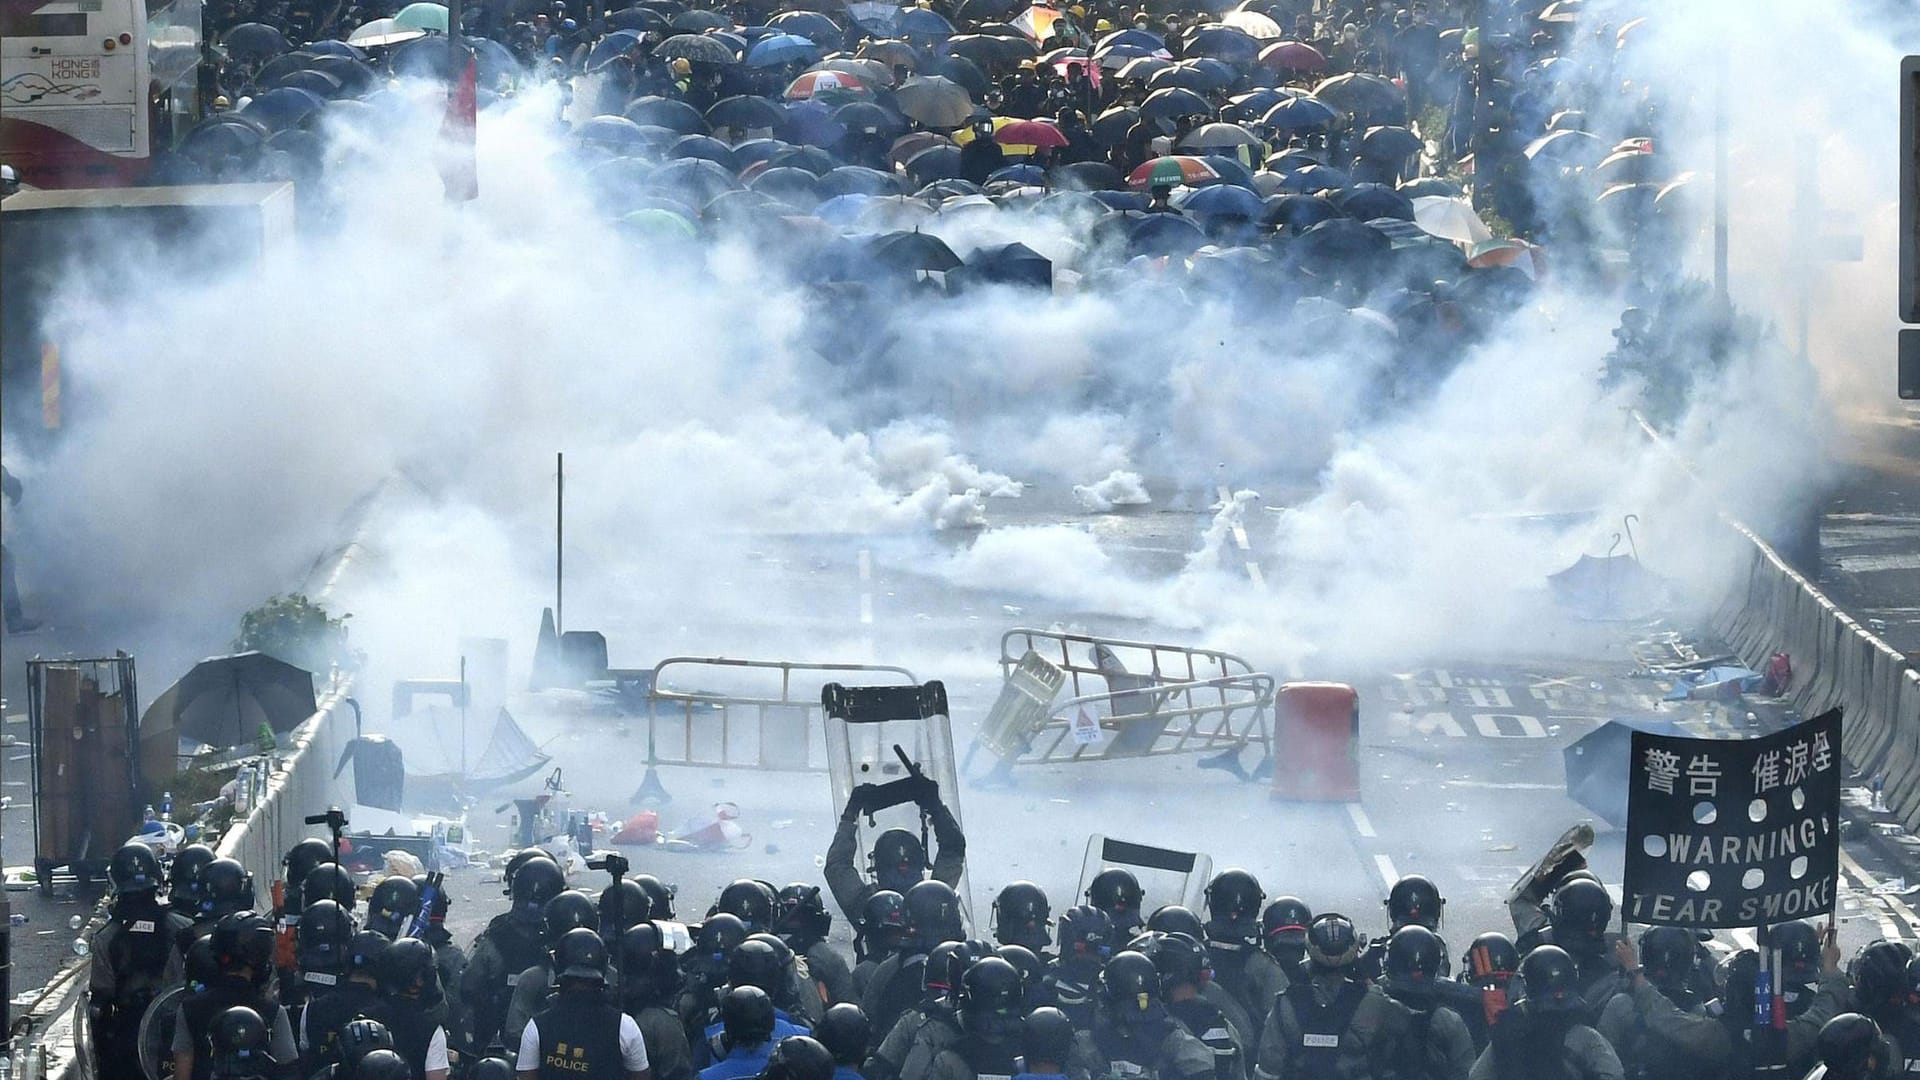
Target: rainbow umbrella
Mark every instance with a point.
(1168, 171)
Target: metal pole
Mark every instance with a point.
(559, 541)
(456, 49)
(1720, 179)
(463, 716)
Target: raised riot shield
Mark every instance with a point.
(1166, 876)
(869, 730)
(156, 1034)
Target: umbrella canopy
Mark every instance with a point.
(910, 251)
(1173, 103)
(614, 133)
(1337, 242)
(1632, 166)
(670, 113)
(1293, 56)
(965, 72)
(1598, 766)
(1254, 24)
(1220, 136)
(224, 699)
(1140, 68)
(811, 123)
(777, 49)
(422, 16)
(811, 158)
(1390, 144)
(383, 32)
(1110, 127)
(1299, 113)
(1426, 186)
(611, 46)
(1298, 212)
(811, 25)
(1311, 178)
(316, 82)
(923, 22)
(1168, 171)
(988, 49)
(283, 108)
(745, 112)
(891, 53)
(935, 101)
(858, 180)
(820, 82)
(872, 72)
(866, 118)
(906, 146)
(706, 147)
(934, 163)
(1035, 133)
(1359, 92)
(699, 21)
(1180, 76)
(1088, 176)
(1222, 200)
(1229, 43)
(1369, 201)
(1566, 148)
(795, 187)
(1139, 39)
(696, 49)
(695, 180)
(1450, 218)
(254, 41)
(1297, 158)
(1005, 264)
(1609, 588)
(1152, 235)
(1255, 104)
(336, 48)
(645, 20)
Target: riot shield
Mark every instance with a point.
(869, 729)
(1166, 876)
(156, 1034)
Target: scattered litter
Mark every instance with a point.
(641, 828)
(720, 832)
(783, 823)
(1504, 847)
(772, 849)
(1887, 828)
(1011, 609)
(1062, 802)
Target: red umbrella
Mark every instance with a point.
(1035, 133)
(1293, 56)
(1168, 171)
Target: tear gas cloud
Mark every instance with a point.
(707, 398)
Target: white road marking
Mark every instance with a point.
(1867, 883)
(1445, 680)
(866, 609)
(1388, 875)
(1253, 571)
(1361, 823)
(866, 565)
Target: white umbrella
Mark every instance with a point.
(1450, 218)
(1255, 24)
(380, 32)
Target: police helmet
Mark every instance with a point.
(492, 1068)
(1174, 919)
(802, 915)
(1020, 916)
(1180, 958)
(945, 964)
(1667, 955)
(1024, 960)
(1046, 1037)
(1799, 945)
(188, 866)
(1414, 959)
(382, 1065)
(1415, 900)
(1490, 955)
(1848, 1041)
(226, 887)
(300, 860)
(1879, 973)
(749, 901)
(642, 956)
(1234, 896)
(622, 904)
(659, 896)
(202, 966)
(883, 918)
(715, 939)
(1333, 944)
(898, 860)
(755, 963)
(746, 1016)
(394, 903)
(846, 1033)
(329, 881)
(134, 869)
(1553, 984)
(1129, 985)
(567, 911)
(1283, 925)
(323, 936)
(515, 862)
(1580, 911)
(933, 912)
(992, 996)
(358, 1039)
(580, 954)
(239, 1039)
(407, 969)
(242, 939)
(798, 1057)
(1117, 892)
(363, 955)
(1085, 930)
(534, 883)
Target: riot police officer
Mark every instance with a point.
(1659, 1028)
(746, 1020)
(990, 1010)
(1184, 965)
(1133, 1032)
(758, 963)
(1021, 916)
(450, 959)
(1881, 993)
(802, 921)
(798, 1057)
(1086, 940)
(220, 887)
(509, 945)
(1546, 1033)
(184, 889)
(1442, 1041)
(394, 904)
(1333, 1023)
(240, 1041)
(290, 904)
(845, 1033)
(413, 1008)
(933, 917)
(321, 944)
(1578, 914)
(1117, 892)
(330, 881)
(582, 1035)
(881, 933)
(569, 910)
(622, 904)
(133, 960)
(749, 901)
(1234, 946)
(241, 946)
(1851, 1047)
(1283, 935)
(899, 859)
(327, 1015)
(706, 974)
(933, 1024)
(649, 981)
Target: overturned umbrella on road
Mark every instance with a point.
(1597, 764)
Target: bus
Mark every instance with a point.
(91, 91)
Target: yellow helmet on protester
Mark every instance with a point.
(1077, 11)
(681, 66)
(1102, 26)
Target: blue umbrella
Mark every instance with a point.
(1230, 171)
(707, 147)
(284, 107)
(878, 19)
(336, 48)
(782, 48)
(1300, 112)
(923, 23)
(1222, 200)
(1226, 42)
(1312, 178)
(611, 46)
(855, 179)
(1137, 38)
(1019, 174)
(1597, 764)
(811, 123)
(808, 24)
(843, 210)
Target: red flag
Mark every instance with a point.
(459, 170)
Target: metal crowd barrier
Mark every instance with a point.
(777, 727)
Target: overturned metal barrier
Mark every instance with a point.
(1123, 699)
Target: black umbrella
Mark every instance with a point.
(1298, 157)
(618, 184)
(1369, 201)
(1217, 72)
(254, 41)
(812, 25)
(951, 187)
(1225, 42)
(615, 135)
(1173, 103)
(699, 20)
(741, 206)
(281, 66)
(745, 111)
(1298, 212)
(1390, 143)
(696, 49)
(1598, 764)
(705, 147)
(754, 151)
(912, 251)
(934, 163)
(645, 20)
(1110, 127)
(1338, 242)
(965, 72)
(811, 158)
(670, 113)
(1182, 77)
(1429, 185)
(1005, 264)
(1254, 104)
(797, 188)
(696, 179)
(336, 48)
(224, 699)
(1088, 176)
(866, 118)
(1360, 92)
(1151, 234)
(858, 180)
(356, 76)
(314, 82)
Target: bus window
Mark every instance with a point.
(15, 22)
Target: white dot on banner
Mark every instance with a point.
(1699, 881)
(1655, 846)
(1798, 868)
(1757, 810)
(1705, 814)
(1753, 878)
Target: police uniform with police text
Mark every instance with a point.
(574, 1039)
(1330, 1028)
(133, 961)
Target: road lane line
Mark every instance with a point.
(1869, 902)
(1388, 875)
(1361, 823)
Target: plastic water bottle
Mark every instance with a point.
(147, 815)
(166, 806)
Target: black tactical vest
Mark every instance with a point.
(580, 1040)
(1322, 1027)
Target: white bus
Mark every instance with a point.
(92, 90)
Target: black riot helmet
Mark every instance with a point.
(1181, 960)
(1283, 929)
(798, 1057)
(394, 903)
(202, 966)
(992, 999)
(300, 860)
(1414, 959)
(134, 869)
(1799, 945)
(1415, 900)
(323, 937)
(242, 939)
(239, 1039)
(1879, 973)
(1849, 1043)
(648, 971)
(883, 920)
(188, 866)
(1174, 919)
(1553, 983)
(1130, 987)
(1233, 901)
(846, 1033)
(801, 916)
(933, 913)
(1024, 960)
(1580, 911)
(1046, 1037)
(382, 1065)
(1667, 956)
(363, 955)
(492, 1068)
(898, 861)
(746, 1016)
(407, 970)
(622, 904)
(329, 881)
(715, 938)
(749, 901)
(753, 962)
(1490, 959)
(1020, 916)
(940, 975)
(1117, 892)
(1333, 944)
(534, 883)
(519, 859)
(360, 1038)
(580, 954)
(1085, 931)
(568, 910)
(659, 896)
(226, 887)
